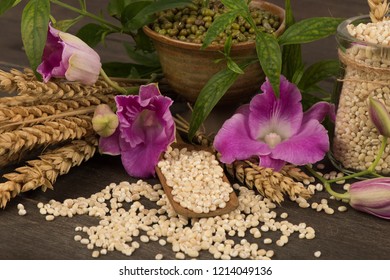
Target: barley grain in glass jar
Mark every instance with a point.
(364, 51)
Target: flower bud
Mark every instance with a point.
(379, 116)
(67, 56)
(104, 120)
(371, 196)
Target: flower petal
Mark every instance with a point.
(110, 145)
(84, 68)
(140, 161)
(51, 65)
(275, 164)
(234, 140)
(319, 111)
(282, 116)
(308, 146)
(147, 92)
(128, 109)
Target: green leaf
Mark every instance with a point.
(34, 26)
(235, 4)
(309, 100)
(115, 7)
(133, 9)
(234, 66)
(209, 96)
(309, 30)
(143, 42)
(92, 34)
(143, 17)
(228, 45)
(5, 5)
(291, 54)
(292, 61)
(318, 72)
(298, 74)
(218, 26)
(270, 58)
(64, 25)
(141, 57)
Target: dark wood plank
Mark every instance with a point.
(350, 235)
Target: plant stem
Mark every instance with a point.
(87, 14)
(336, 194)
(379, 155)
(327, 186)
(112, 83)
(369, 171)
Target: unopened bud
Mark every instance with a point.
(379, 116)
(371, 196)
(104, 120)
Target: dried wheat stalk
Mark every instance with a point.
(26, 84)
(269, 183)
(14, 143)
(44, 171)
(378, 10)
(28, 101)
(11, 117)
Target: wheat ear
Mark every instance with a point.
(378, 10)
(44, 171)
(11, 117)
(14, 143)
(25, 83)
(269, 183)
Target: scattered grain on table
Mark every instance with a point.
(121, 228)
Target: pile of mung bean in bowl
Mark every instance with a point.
(190, 24)
(364, 50)
(178, 34)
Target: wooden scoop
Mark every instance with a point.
(230, 205)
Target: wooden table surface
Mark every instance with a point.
(350, 235)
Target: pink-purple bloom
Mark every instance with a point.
(276, 130)
(67, 56)
(371, 196)
(146, 128)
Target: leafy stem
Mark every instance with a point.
(87, 14)
(369, 171)
(326, 184)
(112, 83)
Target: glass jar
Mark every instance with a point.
(366, 73)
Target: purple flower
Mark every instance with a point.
(371, 196)
(379, 116)
(275, 130)
(146, 128)
(65, 55)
